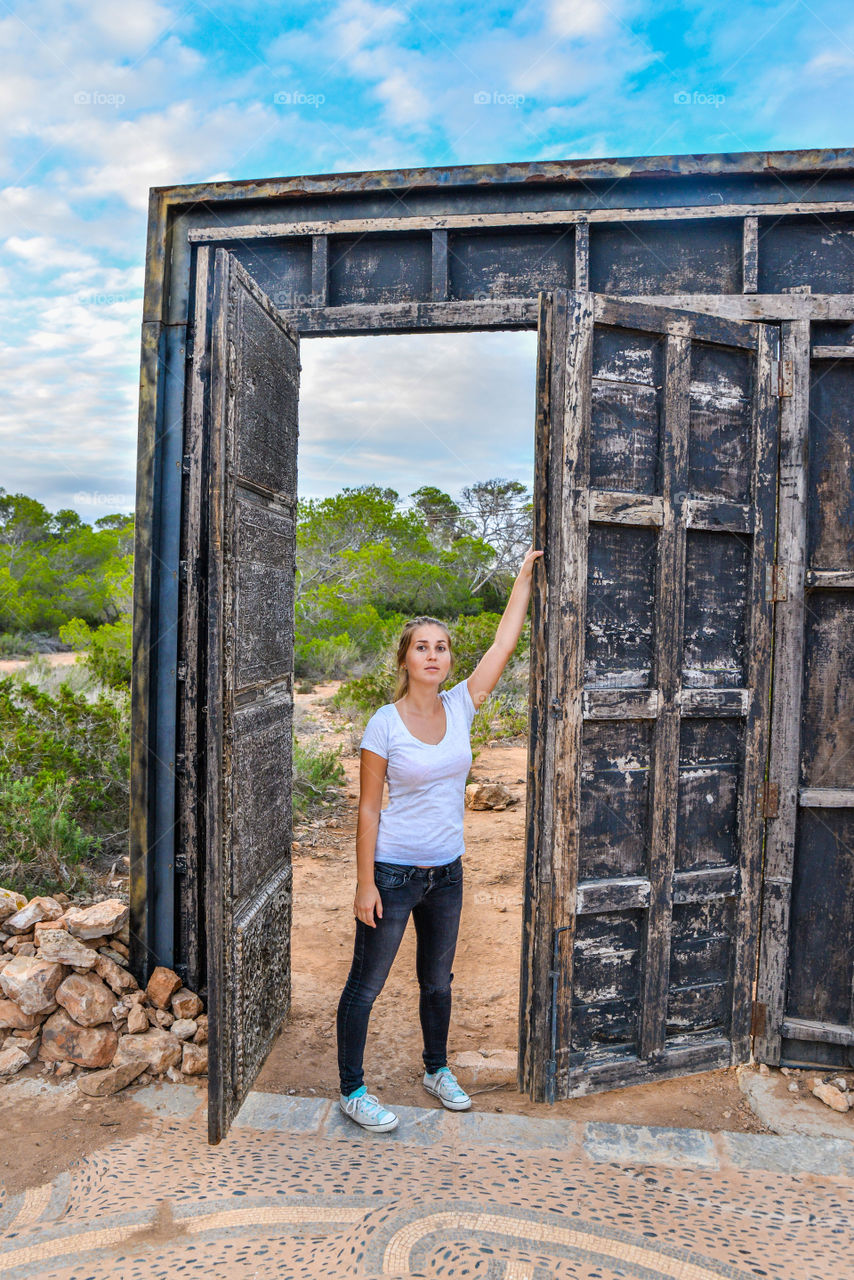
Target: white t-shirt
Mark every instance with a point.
(423, 822)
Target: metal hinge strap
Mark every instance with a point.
(783, 377)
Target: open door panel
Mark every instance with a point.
(249, 377)
(655, 504)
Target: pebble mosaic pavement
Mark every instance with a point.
(297, 1191)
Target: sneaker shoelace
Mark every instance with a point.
(370, 1104)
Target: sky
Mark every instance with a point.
(102, 100)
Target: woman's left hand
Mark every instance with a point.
(527, 566)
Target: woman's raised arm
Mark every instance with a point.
(488, 671)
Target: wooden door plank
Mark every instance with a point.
(784, 761)
(535, 1006)
(569, 619)
(664, 792)
(756, 729)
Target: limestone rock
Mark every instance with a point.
(162, 985)
(10, 902)
(63, 1040)
(36, 910)
(110, 953)
(117, 978)
(11, 1061)
(489, 795)
(25, 949)
(85, 997)
(194, 1060)
(491, 1066)
(186, 1004)
(15, 1019)
(100, 1084)
(47, 926)
(163, 1017)
(155, 1048)
(137, 1021)
(63, 1069)
(183, 1028)
(831, 1096)
(201, 1036)
(100, 920)
(30, 1045)
(173, 1074)
(31, 983)
(62, 947)
(117, 945)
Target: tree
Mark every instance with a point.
(500, 513)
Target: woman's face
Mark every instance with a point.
(428, 658)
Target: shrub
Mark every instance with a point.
(64, 781)
(108, 649)
(318, 777)
(43, 845)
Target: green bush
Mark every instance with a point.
(318, 776)
(64, 783)
(43, 845)
(330, 659)
(108, 649)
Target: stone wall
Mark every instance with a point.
(68, 999)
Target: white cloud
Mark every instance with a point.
(569, 18)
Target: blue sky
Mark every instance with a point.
(102, 100)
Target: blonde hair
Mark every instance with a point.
(403, 648)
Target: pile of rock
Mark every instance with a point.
(489, 795)
(68, 998)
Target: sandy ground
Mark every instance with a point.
(486, 967)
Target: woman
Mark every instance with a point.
(421, 742)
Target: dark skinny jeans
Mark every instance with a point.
(434, 897)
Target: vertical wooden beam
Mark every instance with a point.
(191, 643)
(567, 686)
(319, 271)
(763, 496)
(750, 255)
(439, 292)
(784, 761)
(582, 256)
(669, 612)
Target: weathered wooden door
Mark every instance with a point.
(250, 376)
(805, 992)
(655, 503)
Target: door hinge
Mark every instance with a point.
(771, 800)
(783, 377)
(776, 584)
(189, 346)
(758, 1018)
(181, 864)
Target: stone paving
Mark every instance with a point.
(297, 1191)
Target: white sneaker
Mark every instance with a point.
(368, 1111)
(443, 1084)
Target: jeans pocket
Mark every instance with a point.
(387, 876)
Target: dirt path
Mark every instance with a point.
(486, 968)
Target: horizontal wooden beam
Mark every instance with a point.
(716, 513)
(707, 885)
(523, 220)
(833, 353)
(373, 318)
(714, 702)
(594, 896)
(615, 507)
(826, 797)
(823, 1032)
(620, 704)
(840, 579)
(677, 1059)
